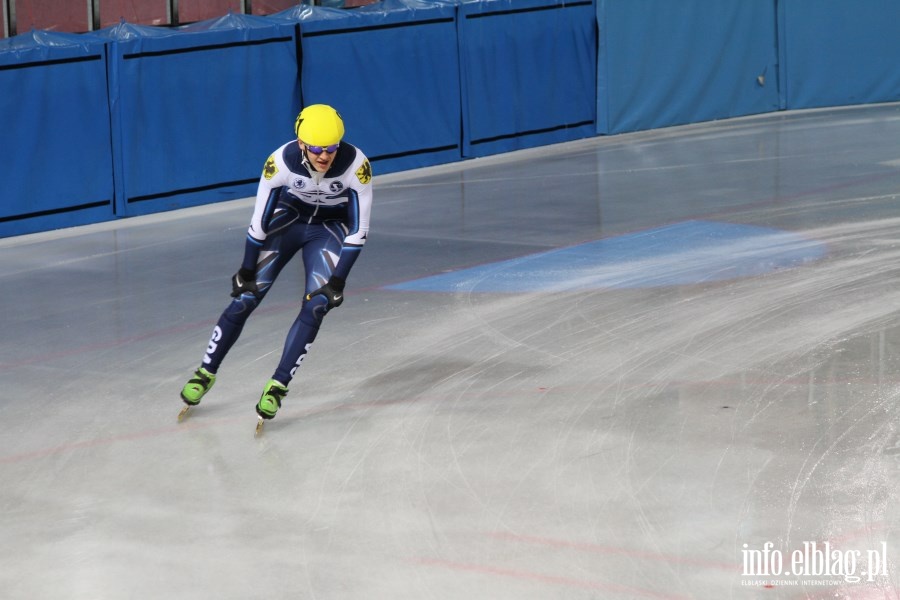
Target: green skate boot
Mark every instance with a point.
(194, 390)
(270, 402)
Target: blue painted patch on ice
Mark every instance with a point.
(681, 254)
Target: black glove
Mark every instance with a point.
(333, 291)
(244, 281)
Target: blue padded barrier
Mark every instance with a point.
(847, 52)
(197, 110)
(143, 119)
(54, 119)
(392, 70)
(528, 73)
(668, 63)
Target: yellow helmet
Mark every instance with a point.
(319, 125)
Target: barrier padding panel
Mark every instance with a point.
(197, 110)
(528, 73)
(56, 168)
(668, 63)
(845, 53)
(392, 71)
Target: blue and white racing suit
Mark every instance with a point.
(324, 216)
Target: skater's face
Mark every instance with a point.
(320, 157)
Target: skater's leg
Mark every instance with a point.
(320, 254)
(225, 333)
(299, 339)
(273, 256)
(301, 336)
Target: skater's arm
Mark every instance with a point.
(251, 254)
(258, 230)
(359, 210)
(266, 200)
(267, 193)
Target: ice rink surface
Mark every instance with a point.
(655, 365)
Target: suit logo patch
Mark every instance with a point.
(364, 173)
(270, 169)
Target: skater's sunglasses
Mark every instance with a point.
(317, 150)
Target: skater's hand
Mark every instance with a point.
(333, 292)
(244, 282)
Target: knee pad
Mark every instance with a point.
(314, 311)
(241, 307)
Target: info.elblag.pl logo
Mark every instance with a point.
(815, 562)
